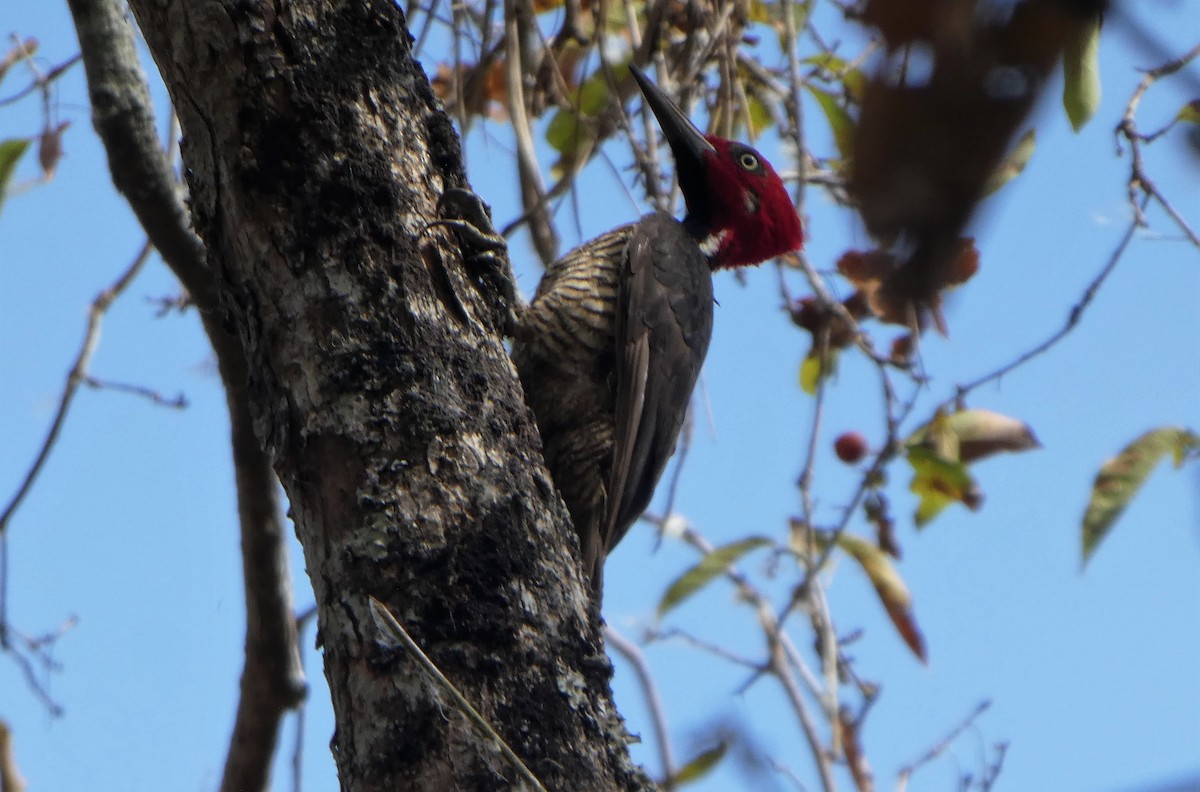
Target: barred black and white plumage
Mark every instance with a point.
(609, 352)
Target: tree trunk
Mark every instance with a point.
(315, 155)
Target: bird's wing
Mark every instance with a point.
(663, 326)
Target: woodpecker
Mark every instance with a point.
(609, 349)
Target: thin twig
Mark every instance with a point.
(26, 651)
(178, 403)
(778, 663)
(77, 375)
(1139, 181)
(42, 81)
(1073, 318)
(658, 717)
(716, 650)
(10, 776)
(940, 747)
(302, 619)
(793, 105)
(391, 630)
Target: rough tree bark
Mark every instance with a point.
(315, 155)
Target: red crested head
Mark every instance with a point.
(738, 209)
(742, 207)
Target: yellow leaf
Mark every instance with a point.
(1189, 113)
(812, 371)
(889, 586)
(939, 482)
(810, 374)
(700, 765)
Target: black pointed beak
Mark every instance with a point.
(687, 142)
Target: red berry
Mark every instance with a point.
(850, 447)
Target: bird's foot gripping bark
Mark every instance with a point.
(484, 250)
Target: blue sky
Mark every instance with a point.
(1092, 677)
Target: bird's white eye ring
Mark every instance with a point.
(748, 161)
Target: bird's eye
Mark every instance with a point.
(748, 161)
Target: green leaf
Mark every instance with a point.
(1121, 477)
(937, 437)
(565, 131)
(1013, 164)
(834, 64)
(855, 82)
(571, 130)
(1189, 113)
(712, 565)
(760, 115)
(839, 120)
(10, 153)
(939, 482)
(852, 79)
(701, 765)
(889, 586)
(1081, 76)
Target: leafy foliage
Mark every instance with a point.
(701, 765)
(1081, 76)
(10, 154)
(710, 567)
(1121, 477)
(894, 595)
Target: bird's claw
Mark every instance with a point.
(481, 247)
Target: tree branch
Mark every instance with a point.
(10, 776)
(658, 715)
(78, 375)
(272, 678)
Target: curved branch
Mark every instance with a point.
(272, 678)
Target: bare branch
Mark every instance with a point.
(780, 661)
(940, 747)
(302, 619)
(272, 679)
(533, 192)
(177, 403)
(77, 376)
(10, 776)
(1073, 318)
(716, 650)
(124, 119)
(658, 717)
(1139, 181)
(30, 653)
(41, 82)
